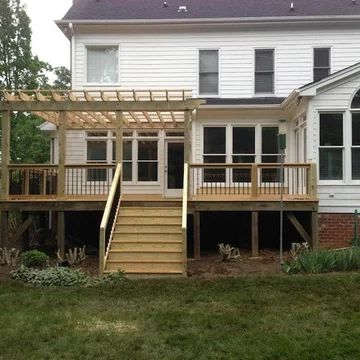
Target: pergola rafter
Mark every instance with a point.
(90, 109)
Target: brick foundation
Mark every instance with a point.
(336, 230)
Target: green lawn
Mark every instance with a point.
(275, 317)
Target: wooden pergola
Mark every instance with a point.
(97, 109)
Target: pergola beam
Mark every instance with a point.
(101, 106)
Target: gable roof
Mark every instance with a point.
(208, 9)
(311, 89)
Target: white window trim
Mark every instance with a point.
(274, 93)
(85, 57)
(219, 72)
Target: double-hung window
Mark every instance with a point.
(209, 72)
(102, 64)
(127, 161)
(355, 147)
(321, 63)
(243, 151)
(331, 150)
(264, 71)
(214, 152)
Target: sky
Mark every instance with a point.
(48, 42)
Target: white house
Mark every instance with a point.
(262, 66)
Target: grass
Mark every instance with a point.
(274, 317)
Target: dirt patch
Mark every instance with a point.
(210, 265)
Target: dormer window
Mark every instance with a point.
(209, 72)
(102, 64)
(321, 63)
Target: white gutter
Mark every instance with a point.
(235, 20)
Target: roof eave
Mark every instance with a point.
(235, 20)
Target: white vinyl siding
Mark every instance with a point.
(170, 58)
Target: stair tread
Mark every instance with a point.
(150, 242)
(147, 272)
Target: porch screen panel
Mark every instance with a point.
(214, 152)
(331, 151)
(355, 148)
(209, 72)
(264, 71)
(243, 152)
(270, 153)
(147, 160)
(127, 163)
(96, 153)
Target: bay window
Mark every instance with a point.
(355, 147)
(331, 150)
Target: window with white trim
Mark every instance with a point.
(127, 162)
(321, 63)
(355, 147)
(331, 150)
(270, 152)
(102, 64)
(147, 160)
(264, 71)
(209, 72)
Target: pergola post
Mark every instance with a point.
(187, 137)
(5, 153)
(62, 154)
(119, 137)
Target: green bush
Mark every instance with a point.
(114, 278)
(57, 276)
(322, 261)
(34, 258)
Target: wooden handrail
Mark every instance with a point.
(184, 212)
(106, 216)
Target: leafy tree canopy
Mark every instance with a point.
(20, 69)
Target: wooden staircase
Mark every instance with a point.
(147, 241)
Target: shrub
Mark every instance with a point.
(324, 261)
(34, 258)
(114, 278)
(57, 276)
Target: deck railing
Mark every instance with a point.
(108, 221)
(33, 180)
(253, 180)
(43, 180)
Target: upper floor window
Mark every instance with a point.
(102, 64)
(208, 72)
(321, 63)
(264, 71)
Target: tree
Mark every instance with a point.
(20, 69)
(63, 80)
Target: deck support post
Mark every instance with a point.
(61, 232)
(5, 153)
(197, 244)
(4, 231)
(254, 233)
(62, 154)
(315, 230)
(119, 137)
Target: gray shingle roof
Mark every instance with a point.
(202, 9)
